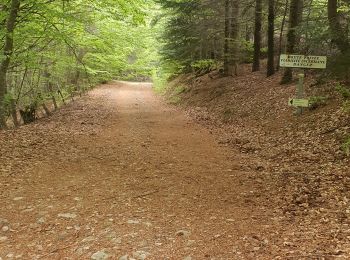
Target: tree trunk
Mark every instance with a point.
(14, 112)
(337, 32)
(271, 39)
(294, 21)
(257, 35)
(227, 39)
(7, 52)
(234, 34)
(281, 32)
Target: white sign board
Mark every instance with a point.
(301, 61)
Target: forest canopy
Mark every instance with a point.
(53, 49)
(229, 32)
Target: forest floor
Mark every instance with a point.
(298, 160)
(119, 174)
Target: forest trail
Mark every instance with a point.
(118, 173)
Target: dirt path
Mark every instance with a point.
(120, 173)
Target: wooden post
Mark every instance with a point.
(13, 109)
(300, 92)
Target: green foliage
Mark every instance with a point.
(174, 100)
(263, 52)
(160, 80)
(346, 146)
(247, 48)
(182, 38)
(339, 65)
(204, 66)
(179, 90)
(343, 91)
(317, 101)
(69, 46)
(346, 106)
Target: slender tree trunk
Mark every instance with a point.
(294, 21)
(234, 33)
(257, 35)
(337, 32)
(14, 113)
(7, 52)
(227, 39)
(271, 39)
(46, 109)
(281, 33)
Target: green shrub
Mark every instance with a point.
(263, 52)
(179, 90)
(346, 106)
(317, 101)
(343, 91)
(160, 80)
(247, 52)
(204, 66)
(174, 100)
(346, 146)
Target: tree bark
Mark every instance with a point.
(271, 39)
(281, 33)
(227, 38)
(337, 32)
(7, 54)
(234, 34)
(257, 35)
(294, 21)
(14, 112)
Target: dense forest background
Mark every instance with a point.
(53, 50)
(231, 32)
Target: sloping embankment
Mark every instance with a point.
(299, 157)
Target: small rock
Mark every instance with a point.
(5, 229)
(80, 251)
(148, 224)
(41, 220)
(133, 221)
(18, 198)
(187, 258)
(124, 257)
(100, 255)
(88, 239)
(27, 210)
(3, 239)
(140, 255)
(191, 242)
(116, 240)
(67, 215)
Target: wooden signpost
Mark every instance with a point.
(298, 102)
(301, 61)
(306, 62)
